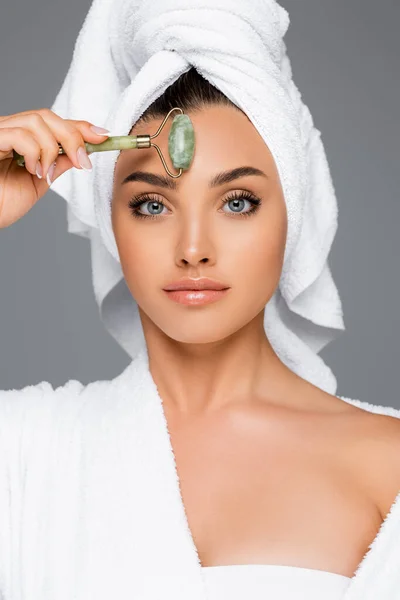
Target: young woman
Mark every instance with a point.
(208, 468)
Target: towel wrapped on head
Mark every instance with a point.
(126, 55)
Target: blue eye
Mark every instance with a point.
(237, 199)
(136, 202)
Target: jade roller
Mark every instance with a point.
(180, 143)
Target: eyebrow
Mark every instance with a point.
(219, 179)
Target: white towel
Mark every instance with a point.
(126, 54)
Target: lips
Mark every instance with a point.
(196, 297)
(189, 284)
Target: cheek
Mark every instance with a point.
(142, 255)
(256, 255)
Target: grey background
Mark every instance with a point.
(345, 56)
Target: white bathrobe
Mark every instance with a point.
(90, 505)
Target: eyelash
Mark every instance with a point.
(137, 201)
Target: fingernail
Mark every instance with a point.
(39, 172)
(99, 130)
(50, 173)
(83, 159)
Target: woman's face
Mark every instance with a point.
(187, 229)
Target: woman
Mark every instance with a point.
(208, 468)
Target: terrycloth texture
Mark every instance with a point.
(126, 55)
(90, 502)
(272, 582)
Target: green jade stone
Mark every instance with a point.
(181, 142)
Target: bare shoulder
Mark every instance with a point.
(374, 444)
(365, 440)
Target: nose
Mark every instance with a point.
(194, 245)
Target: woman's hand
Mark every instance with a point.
(35, 134)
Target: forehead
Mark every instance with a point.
(224, 139)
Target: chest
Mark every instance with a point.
(271, 493)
